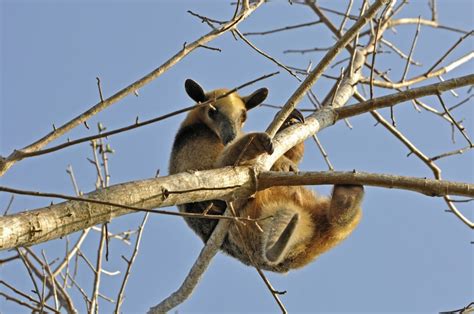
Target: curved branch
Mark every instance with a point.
(211, 248)
(429, 74)
(434, 24)
(15, 156)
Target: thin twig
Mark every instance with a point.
(99, 87)
(70, 172)
(94, 305)
(52, 280)
(100, 178)
(123, 236)
(71, 253)
(10, 298)
(266, 55)
(452, 153)
(129, 265)
(9, 259)
(237, 4)
(462, 130)
(412, 49)
(210, 48)
(10, 202)
(26, 296)
(374, 54)
(303, 51)
(28, 269)
(93, 269)
(346, 16)
(407, 21)
(398, 51)
(83, 293)
(349, 16)
(460, 103)
(434, 11)
(282, 29)
(323, 152)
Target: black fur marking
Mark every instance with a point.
(204, 227)
(190, 133)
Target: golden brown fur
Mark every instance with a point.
(300, 225)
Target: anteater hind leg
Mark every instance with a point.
(345, 204)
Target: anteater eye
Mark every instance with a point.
(212, 112)
(243, 117)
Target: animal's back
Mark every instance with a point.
(195, 147)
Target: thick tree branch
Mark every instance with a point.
(55, 221)
(58, 220)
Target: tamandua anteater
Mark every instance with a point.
(301, 225)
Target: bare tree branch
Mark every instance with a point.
(197, 270)
(129, 265)
(76, 215)
(390, 100)
(282, 29)
(322, 65)
(425, 186)
(434, 24)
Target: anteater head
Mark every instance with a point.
(225, 116)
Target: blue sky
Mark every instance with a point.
(407, 255)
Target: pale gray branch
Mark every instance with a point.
(202, 262)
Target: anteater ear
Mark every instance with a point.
(256, 98)
(195, 91)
